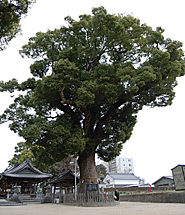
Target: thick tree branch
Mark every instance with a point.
(66, 109)
(104, 119)
(87, 123)
(64, 101)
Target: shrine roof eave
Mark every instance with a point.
(31, 176)
(26, 164)
(63, 177)
(62, 181)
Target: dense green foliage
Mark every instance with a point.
(11, 13)
(22, 152)
(101, 172)
(90, 79)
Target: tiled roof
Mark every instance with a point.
(163, 177)
(61, 177)
(25, 170)
(123, 176)
(33, 176)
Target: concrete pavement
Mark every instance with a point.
(125, 208)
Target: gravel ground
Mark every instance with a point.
(125, 208)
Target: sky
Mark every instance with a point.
(157, 143)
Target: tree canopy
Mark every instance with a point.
(101, 171)
(11, 12)
(90, 79)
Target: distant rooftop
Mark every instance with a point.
(163, 177)
(123, 176)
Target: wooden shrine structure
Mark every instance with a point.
(24, 176)
(64, 182)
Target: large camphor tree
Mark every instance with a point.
(90, 79)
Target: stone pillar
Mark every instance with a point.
(60, 193)
(31, 189)
(48, 197)
(53, 200)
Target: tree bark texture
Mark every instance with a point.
(88, 173)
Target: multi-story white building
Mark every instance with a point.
(121, 165)
(125, 165)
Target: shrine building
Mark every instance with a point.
(24, 175)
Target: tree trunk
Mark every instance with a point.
(88, 173)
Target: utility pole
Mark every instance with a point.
(75, 179)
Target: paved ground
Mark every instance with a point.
(125, 208)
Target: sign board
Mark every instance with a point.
(91, 187)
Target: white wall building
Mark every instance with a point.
(125, 165)
(121, 180)
(121, 165)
